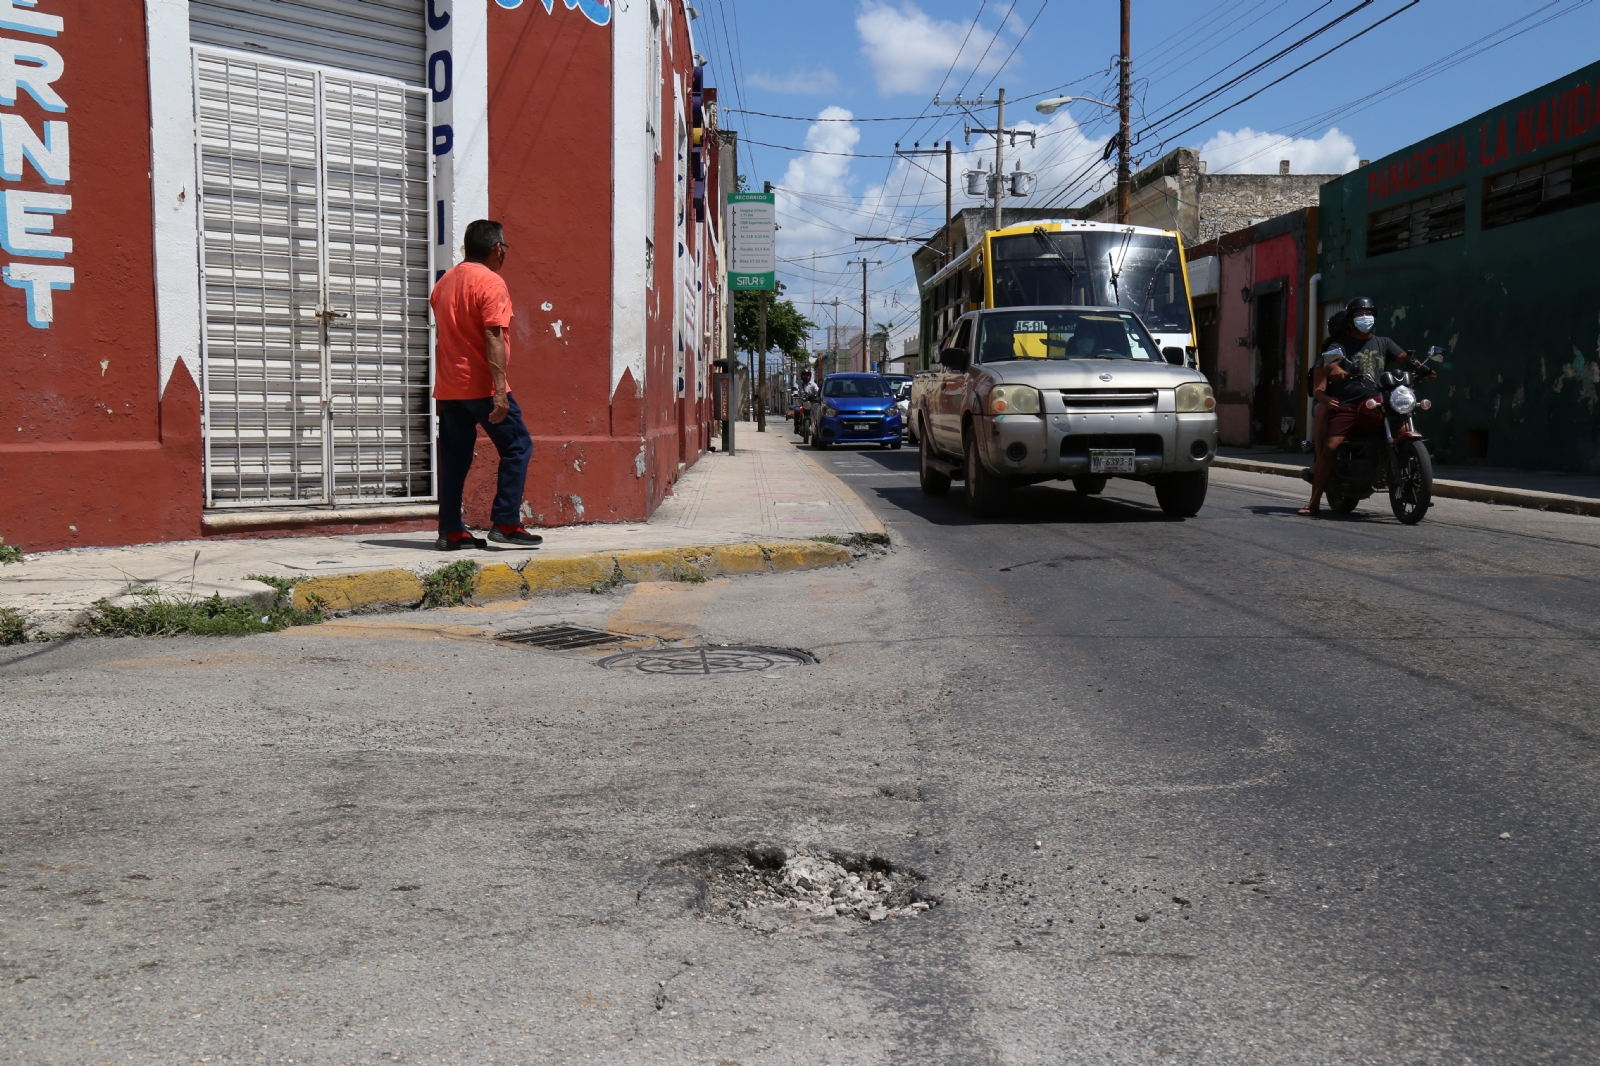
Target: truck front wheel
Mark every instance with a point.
(986, 494)
(935, 482)
(1182, 495)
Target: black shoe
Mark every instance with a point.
(445, 544)
(518, 536)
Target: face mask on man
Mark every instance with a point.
(1364, 323)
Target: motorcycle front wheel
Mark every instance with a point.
(1412, 492)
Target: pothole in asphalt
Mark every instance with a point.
(709, 659)
(765, 887)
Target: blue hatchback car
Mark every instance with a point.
(857, 409)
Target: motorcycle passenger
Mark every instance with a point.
(1338, 327)
(1346, 380)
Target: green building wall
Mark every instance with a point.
(1516, 306)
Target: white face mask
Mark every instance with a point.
(1364, 323)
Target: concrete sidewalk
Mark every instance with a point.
(754, 511)
(1538, 489)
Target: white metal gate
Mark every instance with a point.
(315, 268)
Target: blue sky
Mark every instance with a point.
(850, 60)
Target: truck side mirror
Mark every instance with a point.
(1173, 355)
(954, 359)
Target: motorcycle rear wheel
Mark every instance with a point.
(1341, 502)
(1412, 494)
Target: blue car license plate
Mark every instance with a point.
(858, 427)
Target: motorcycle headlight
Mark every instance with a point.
(1402, 400)
(1195, 396)
(829, 412)
(1014, 400)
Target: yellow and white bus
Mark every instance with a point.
(1067, 263)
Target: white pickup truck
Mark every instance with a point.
(1030, 394)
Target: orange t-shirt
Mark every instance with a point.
(468, 299)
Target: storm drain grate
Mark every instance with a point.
(716, 659)
(561, 638)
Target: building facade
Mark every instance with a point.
(1254, 316)
(223, 218)
(1476, 240)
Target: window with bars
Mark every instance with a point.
(1556, 184)
(1432, 218)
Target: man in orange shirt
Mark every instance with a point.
(472, 315)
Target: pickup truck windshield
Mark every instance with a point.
(1039, 334)
(1136, 271)
(868, 387)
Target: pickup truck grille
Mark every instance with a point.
(1144, 445)
(1098, 399)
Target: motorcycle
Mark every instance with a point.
(1392, 455)
(801, 415)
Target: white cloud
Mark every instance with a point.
(1248, 151)
(910, 52)
(800, 82)
(823, 205)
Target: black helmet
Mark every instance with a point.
(1361, 303)
(1338, 323)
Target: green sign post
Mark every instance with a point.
(752, 230)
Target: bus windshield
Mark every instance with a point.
(1046, 334)
(1135, 271)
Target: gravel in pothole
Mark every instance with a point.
(751, 882)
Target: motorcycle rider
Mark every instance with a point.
(1345, 379)
(809, 393)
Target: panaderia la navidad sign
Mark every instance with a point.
(30, 66)
(1572, 112)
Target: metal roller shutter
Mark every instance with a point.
(382, 37)
(314, 192)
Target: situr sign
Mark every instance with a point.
(752, 227)
(27, 219)
(1562, 116)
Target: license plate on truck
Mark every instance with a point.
(1119, 461)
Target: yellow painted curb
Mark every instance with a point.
(497, 581)
(559, 575)
(346, 592)
(806, 554)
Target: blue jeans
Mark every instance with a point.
(458, 436)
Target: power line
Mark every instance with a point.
(1292, 73)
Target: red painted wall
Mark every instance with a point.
(87, 453)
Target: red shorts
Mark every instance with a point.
(1347, 417)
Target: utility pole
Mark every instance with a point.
(1000, 133)
(949, 190)
(866, 336)
(833, 331)
(761, 365)
(1124, 178)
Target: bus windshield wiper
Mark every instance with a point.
(1047, 239)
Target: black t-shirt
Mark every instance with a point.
(1363, 360)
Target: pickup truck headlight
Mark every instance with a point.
(1195, 396)
(1014, 400)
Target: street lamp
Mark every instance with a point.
(1124, 87)
(1055, 103)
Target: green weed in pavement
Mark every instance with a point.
(449, 586)
(13, 627)
(156, 615)
(9, 553)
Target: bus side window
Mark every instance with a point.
(975, 287)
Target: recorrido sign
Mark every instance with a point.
(752, 228)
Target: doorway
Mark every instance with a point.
(316, 265)
(1267, 406)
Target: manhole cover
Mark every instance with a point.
(561, 638)
(725, 659)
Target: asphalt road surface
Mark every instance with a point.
(1246, 788)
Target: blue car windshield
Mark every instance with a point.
(871, 388)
